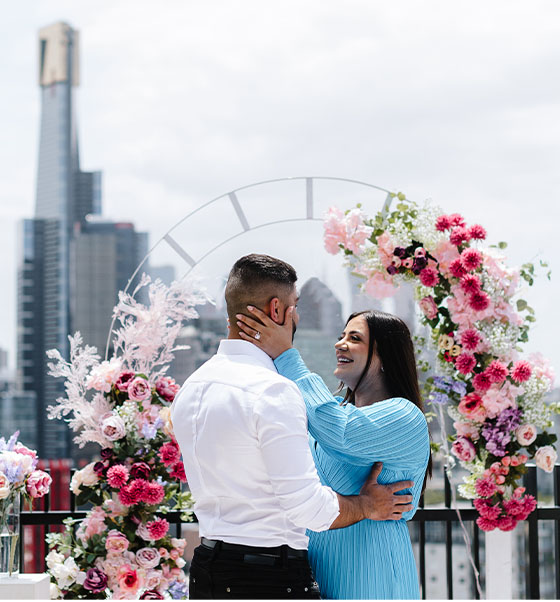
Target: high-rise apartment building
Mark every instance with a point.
(60, 243)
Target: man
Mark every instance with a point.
(242, 430)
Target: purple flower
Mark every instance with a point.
(399, 252)
(96, 580)
(438, 397)
(441, 383)
(498, 432)
(178, 590)
(419, 264)
(392, 270)
(459, 387)
(106, 454)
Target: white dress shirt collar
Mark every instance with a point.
(241, 347)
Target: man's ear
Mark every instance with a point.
(276, 313)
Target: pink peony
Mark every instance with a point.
(169, 453)
(479, 301)
(148, 558)
(117, 476)
(470, 338)
(546, 457)
(485, 487)
(139, 389)
(521, 371)
(470, 283)
(116, 542)
(178, 472)
(157, 528)
(428, 306)
(525, 434)
(385, 248)
(19, 448)
(465, 363)
(482, 382)
(124, 379)
(477, 232)
(456, 219)
(458, 236)
(445, 253)
(497, 371)
(429, 277)
(167, 388)
(471, 259)
(472, 407)
(443, 223)
(103, 376)
(94, 524)
(486, 524)
(464, 449)
(457, 269)
(38, 483)
(464, 429)
(496, 400)
(380, 286)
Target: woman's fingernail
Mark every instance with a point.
(250, 307)
(238, 316)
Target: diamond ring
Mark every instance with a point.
(257, 335)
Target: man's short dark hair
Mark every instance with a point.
(256, 279)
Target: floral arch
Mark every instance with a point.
(476, 321)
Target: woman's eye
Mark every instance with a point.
(355, 338)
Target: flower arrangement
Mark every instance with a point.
(18, 477)
(123, 548)
(469, 298)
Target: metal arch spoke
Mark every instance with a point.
(242, 218)
(179, 250)
(309, 197)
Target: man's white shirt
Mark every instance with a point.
(242, 430)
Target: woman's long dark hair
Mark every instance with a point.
(390, 338)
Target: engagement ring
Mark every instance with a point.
(257, 335)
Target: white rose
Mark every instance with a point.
(4, 486)
(86, 476)
(180, 562)
(546, 457)
(66, 573)
(113, 427)
(525, 434)
(53, 558)
(76, 483)
(55, 592)
(104, 375)
(178, 543)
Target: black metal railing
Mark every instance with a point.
(446, 516)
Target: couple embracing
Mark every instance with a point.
(301, 494)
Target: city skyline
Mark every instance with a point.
(476, 130)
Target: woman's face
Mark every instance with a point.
(352, 352)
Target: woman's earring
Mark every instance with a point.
(382, 370)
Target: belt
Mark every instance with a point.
(276, 552)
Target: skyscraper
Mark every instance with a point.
(54, 244)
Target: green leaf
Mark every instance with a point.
(521, 304)
(502, 245)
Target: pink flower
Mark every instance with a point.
(116, 542)
(521, 371)
(443, 223)
(445, 253)
(546, 457)
(470, 283)
(471, 259)
(465, 363)
(525, 434)
(477, 232)
(129, 579)
(482, 382)
(169, 453)
(385, 248)
(456, 219)
(148, 558)
(496, 400)
(167, 388)
(104, 375)
(380, 286)
(486, 509)
(157, 528)
(154, 493)
(497, 371)
(479, 301)
(112, 427)
(38, 483)
(457, 268)
(529, 504)
(470, 339)
(140, 470)
(356, 231)
(127, 496)
(464, 449)
(459, 235)
(472, 407)
(335, 230)
(139, 390)
(513, 507)
(485, 487)
(117, 476)
(429, 277)
(428, 306)
(178, 472)
(124, 379)
(19, 448)
(507, 523)
(408, 262)
(464, 429)
(486, 524)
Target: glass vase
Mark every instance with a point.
(9, 535)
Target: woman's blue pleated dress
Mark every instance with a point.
(370, 559)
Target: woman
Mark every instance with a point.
(380, 418)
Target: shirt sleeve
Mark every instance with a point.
(392, 431)
(281, 426)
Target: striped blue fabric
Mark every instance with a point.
(371, 559)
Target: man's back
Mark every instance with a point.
(242, 430)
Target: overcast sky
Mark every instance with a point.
(181, 101)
